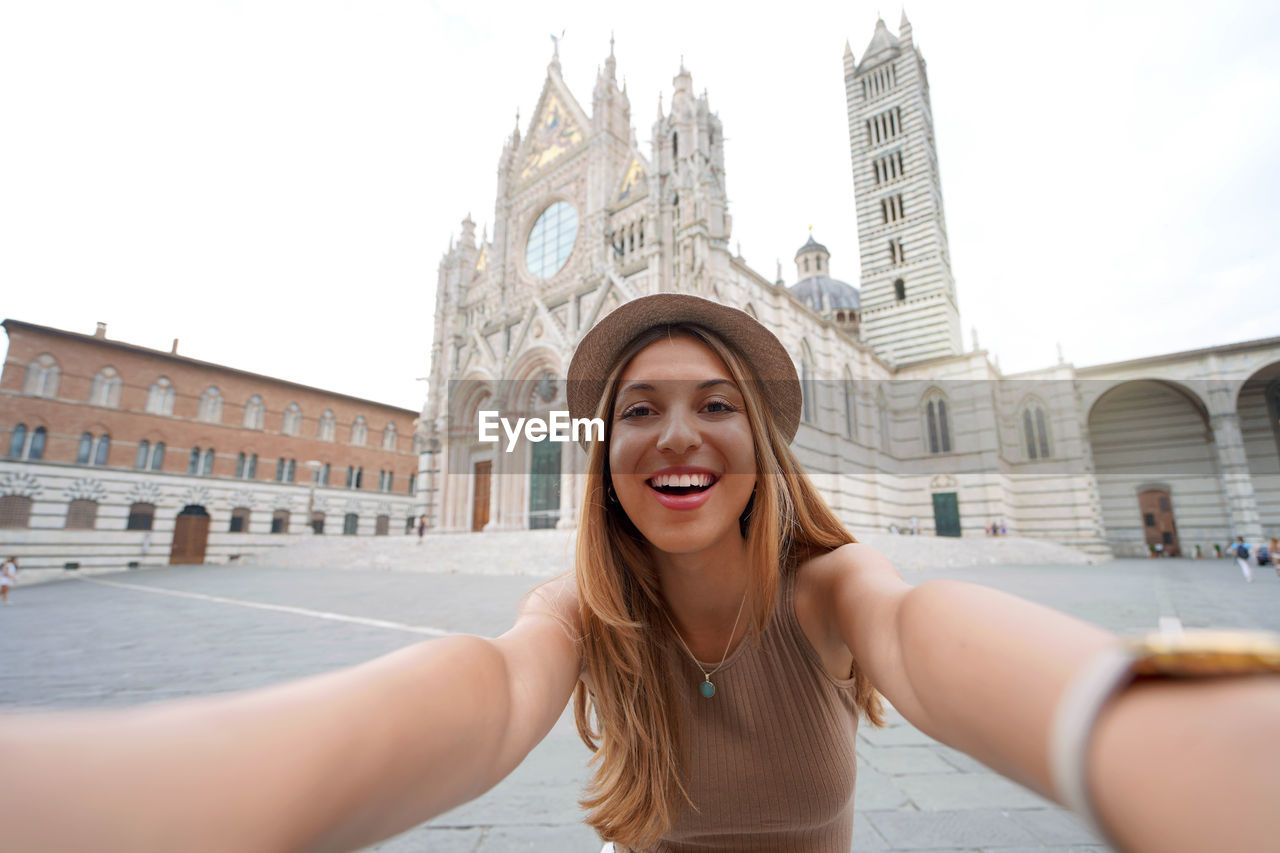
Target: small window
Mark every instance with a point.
(102, 450)
(280, 521)
(193, 463)
(141, 516)
(18, 442)
(157, 457)
(36, 449)
(292, 422)
(42, 377)
(937, 426)
(389, 437)
(160, 397)
(317, 522)
(350, 524)
(254, 413)
(210, 408)
(104, 390)
(1164, 503)
(413, 481)
(382, 525)
(206, 467)
(900, 289)
(15, 511)
(325, 426)
(359, 431)
(239, 520)
(144, 454)
(1148, 519)
(324, 475)
(82, 514)
(290, 469)
(85, 450)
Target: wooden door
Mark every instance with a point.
(190, 535)
(1158, 525)
(946, 514)
(480, 501)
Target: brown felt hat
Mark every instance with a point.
(767, 359)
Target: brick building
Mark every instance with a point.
(116, 454)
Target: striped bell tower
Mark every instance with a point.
(909, 310)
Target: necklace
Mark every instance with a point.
(706, 688)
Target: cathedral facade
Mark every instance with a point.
(902, 428)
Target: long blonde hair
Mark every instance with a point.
(629, 716)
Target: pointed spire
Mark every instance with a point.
(848, 51)
(661, 114)
(904, 23)
(904, 28)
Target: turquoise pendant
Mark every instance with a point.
(707, 689)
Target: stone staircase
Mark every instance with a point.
(541, 553)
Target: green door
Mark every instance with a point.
(544, 485)
(946, 514)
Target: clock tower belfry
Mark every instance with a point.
(909, 308)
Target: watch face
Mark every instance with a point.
(551, 240)
(1207, 653)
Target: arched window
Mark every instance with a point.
(36, 449)
(193, 464)
(102, 449)
(290, 469)
(882, 411)
(899, 289)
(82, 514)
(141, 516)
(160, 397)
(389, 437)
(144, 454)
(210, 408)
(104, 390)
(324, 429)
(18, 442)
(239, 520)
(317, 522)
(292, 422)
(246, 466)
(15, 511)
(157, 457)
(206, 466)
(280, 521)
(85, 450)
(1035, 434)
(937, 424)
(254, 413)
(42, 377)
(359, 431)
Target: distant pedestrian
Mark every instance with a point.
(1004, 531)
(1199, 553)
(422, 527)
(1241, 551)
(8, 577)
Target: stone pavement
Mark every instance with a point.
(118, 640)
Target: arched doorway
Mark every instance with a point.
(1154, 436)
(190, 536)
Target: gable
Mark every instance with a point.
(554, 133)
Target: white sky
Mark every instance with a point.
(275, 182)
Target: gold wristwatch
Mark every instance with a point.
(1162, 654)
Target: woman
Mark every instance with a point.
(721, 633)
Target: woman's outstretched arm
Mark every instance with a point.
(331, 762)
(1172, 766)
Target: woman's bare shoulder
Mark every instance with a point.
(854, 564)
(557, 598)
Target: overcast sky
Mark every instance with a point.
(274, 183)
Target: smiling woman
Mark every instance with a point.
(721, 636)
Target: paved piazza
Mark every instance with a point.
(118, 639)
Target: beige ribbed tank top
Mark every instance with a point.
(772, 764)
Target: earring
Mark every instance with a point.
(612, 497)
